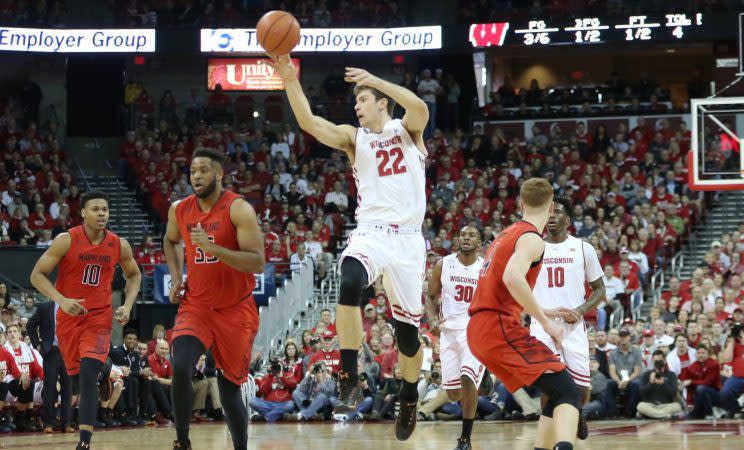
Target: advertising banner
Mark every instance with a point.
(245, 74)
(54, 40)
(229, 40)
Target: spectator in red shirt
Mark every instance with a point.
(675, 291)
(30, 372)
(327, 353)
(703, 382)
(327, 319)
(162, 374)
(150, 258)
(219, 101)
(274, 396)
(10, 380)
(40, 219)
(388, 356)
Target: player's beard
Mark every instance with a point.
(208, 189)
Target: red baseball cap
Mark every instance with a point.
(648, 333)
(327, 334)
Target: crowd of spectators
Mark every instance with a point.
(473, 11)
(134, 389)
(234, 13)
(38, 13)
(38, 194)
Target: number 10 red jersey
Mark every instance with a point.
(87, 270)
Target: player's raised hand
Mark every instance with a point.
(199, 238)
(360, 76)
(122, 315)
(72, 306)
(283, 66)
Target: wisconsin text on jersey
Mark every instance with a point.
(382, 144)
(558, 260)
(456, 279)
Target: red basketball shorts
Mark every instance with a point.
(83, 336)
(229, 332)
(508, 350)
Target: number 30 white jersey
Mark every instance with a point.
(566, 267)
(389, 170)
(458, 286)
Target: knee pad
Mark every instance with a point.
(354, 281)
(408, 339)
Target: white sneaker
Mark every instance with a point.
(341, 417)
(719, 413)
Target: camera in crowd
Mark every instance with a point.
(318, 367)
(737, 329)
(276, 367)
(314, 340)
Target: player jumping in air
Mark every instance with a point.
(388, 158)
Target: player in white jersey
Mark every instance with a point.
(453, 281)
(388, 158)
(568, 264)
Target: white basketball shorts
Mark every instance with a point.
(398, 254)
(574, 351)
(457, 360)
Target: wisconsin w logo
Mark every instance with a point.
(488, 34)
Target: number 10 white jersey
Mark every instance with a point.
(390, 173)
(566, 267)
(458, 286)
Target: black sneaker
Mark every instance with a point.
(349, 394)
(83, 446)
(582, 431)
(463, 444)
(405, 423)
(178, 445)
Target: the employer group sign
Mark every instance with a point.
(329, 39)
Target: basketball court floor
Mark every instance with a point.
(611, 435)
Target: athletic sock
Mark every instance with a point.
(467, 428)
(563, 446)
(540, 448)
(349, 361)
(85, 436)
(408, 391)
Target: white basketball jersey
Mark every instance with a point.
(458, 286)
(389, 170)
(566, 267)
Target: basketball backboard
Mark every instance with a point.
(716, 162)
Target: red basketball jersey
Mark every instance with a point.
(210, 282)
(491, 293)
(86, 271)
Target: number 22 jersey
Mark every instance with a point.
(390, 173)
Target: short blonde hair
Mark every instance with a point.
(536, 192)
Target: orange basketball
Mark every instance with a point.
(278, 32)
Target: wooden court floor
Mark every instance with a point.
(613, 435)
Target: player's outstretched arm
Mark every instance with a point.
(417, 113)
(174, 254)
(134, 281)
(432, 299)
(340, 137)
(250, 257)
(44, 268)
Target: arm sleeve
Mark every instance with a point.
(592, 268)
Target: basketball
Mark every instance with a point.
(278, 32)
